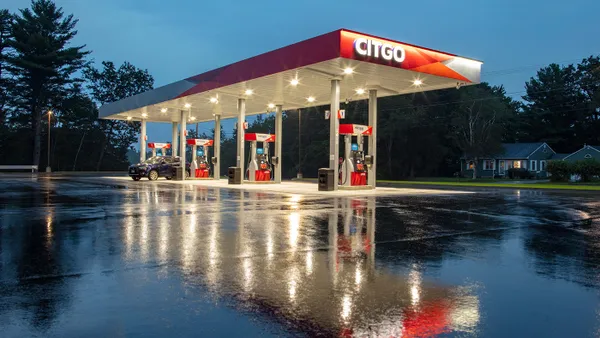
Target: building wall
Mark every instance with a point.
(480, 171)
(542, 154)
(508, 163)
(582, 153)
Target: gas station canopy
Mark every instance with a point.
(298, 76)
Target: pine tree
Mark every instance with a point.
(43, 63)
(5, 24)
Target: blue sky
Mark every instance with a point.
(180, 38)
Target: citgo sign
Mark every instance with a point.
(378, 49)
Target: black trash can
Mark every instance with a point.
(234, 175)
(179, 173)
(326, 179)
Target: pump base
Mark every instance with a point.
(201, 173)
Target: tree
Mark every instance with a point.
(477, 122)
(6, 20)
(43, 64)
(553, 103)
(110, 84)
(588, 74)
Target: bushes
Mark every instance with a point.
(586, 169)
(562, 170)
(519, 173)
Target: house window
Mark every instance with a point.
(488, 165)
(588, 156)
(533, 166)
(470, 165)
(542, 165)
(516, 164)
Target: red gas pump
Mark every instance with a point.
(200, 167)
(355, 165)
(259, 168)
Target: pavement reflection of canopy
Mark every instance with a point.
(330, 284)
(313, 63)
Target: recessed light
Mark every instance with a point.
(294, 82)
(310, 99)
(249, 92)
(214, 100)
(164, 110)
(144, 115)
(187, 105)
(417, 82)
(271, 106)
(193, 118)
(360, 91)
(128, 118)
(348, 70)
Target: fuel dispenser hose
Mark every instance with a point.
(344, 173)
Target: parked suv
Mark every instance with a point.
(155, 167)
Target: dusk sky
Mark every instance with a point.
(180, 38)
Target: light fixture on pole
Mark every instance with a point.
(48, 169)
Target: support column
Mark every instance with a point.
(174, 139)
(217, 147)
(143, 141)
(334, 130)
(372, 174)
(240, 135)
(182, 140)
(278, 140)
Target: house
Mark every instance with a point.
(531, 156)
(587, 152)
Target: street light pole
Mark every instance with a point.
(299, 174)
(48, 169)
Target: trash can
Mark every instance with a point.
(234, 175)
(326, 179)
(179, 173)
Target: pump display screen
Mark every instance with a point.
(200, 153)
(354, 147)
(260, 151)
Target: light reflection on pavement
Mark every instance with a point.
(81, 258)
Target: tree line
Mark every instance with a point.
(49, 85)
(420, 134)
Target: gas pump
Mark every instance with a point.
(259, 168)
(162, 148)
(354, 165)
(200, 167)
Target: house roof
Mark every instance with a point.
(596, 147)
(520, 150)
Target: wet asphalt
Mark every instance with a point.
(87, 258)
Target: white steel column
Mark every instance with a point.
(174, 141)
(334, 130)
(217, 147)
(240, 135)
(143, 141)
(278, 140)
(372, 174)
(182, 140)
